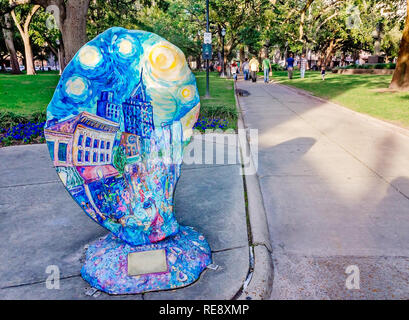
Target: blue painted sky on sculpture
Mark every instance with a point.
(114, 60)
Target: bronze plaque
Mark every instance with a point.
(152, 261)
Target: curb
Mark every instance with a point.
(394, 128)
(258, 285)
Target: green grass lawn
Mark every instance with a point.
(24, 95)
(221, 104)
(358, 92)
(221, 90)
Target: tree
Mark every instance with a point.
(103, 14)
(71, 20)
(119, 161)
(400, 79)
(9, 41)
(24, 30)
(178, 21)
(44, 35)
(391, 41)
(183, 22)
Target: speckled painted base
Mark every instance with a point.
(105, 268)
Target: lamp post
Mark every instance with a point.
(207, 60)
(223, 34)
(59, 56)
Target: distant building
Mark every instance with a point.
(138, 113)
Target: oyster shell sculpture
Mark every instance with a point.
(116, 127)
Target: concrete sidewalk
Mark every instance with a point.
(335, 186)
(41, 225)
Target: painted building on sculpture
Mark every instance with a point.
(138, 112)
(132, 146)
(83, 140)
(106, 108)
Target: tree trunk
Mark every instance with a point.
(25, 35)
(342, 63)
(242, 55)
(72, 24)
(302, 19)
(8, 39)
(400, 79)
(332, 48)
(61, 58)
(28, 53)
(198, 62)
(73, 28)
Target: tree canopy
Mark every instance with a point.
(325, 27)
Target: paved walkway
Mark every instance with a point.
(40, 225)
(336, 190)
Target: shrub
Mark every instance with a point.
(210, 123)
(17, 129)
(276, 67)
(370, 66)
(10, 119)
(219, 112)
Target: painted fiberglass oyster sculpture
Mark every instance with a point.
(116, 127)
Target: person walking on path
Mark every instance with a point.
(266, 67)
(290, 66)
(303, 65)
(246, 69)
(254, 68)
(323, 72)
(234, 70)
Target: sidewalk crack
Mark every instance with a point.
(37, 282)
(30, 184)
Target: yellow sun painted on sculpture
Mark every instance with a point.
(186, 93)
(167, 62)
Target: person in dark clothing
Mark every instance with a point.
(246, 69)
(323, 72)
(254, 65)
(290, 66)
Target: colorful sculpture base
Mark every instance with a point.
(106, 266)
